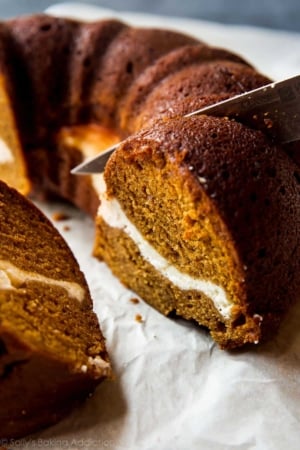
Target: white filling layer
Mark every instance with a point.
(11, 277)
(112, 213)
(6, 155)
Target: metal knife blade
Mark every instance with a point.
(95, 164)
(274, 108)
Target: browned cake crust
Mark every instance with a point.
(64, 73)
(189, 88)
(237, 192)
(52, 353)
(185, 74)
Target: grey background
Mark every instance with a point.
(276, 14)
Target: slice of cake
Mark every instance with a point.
(12, 161)
(52, 353)
(200, 216)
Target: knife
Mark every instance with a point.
(273, 108)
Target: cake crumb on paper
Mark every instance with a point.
(139, 318)
(134, 300)
(59, 216)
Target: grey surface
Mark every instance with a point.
(278, 14)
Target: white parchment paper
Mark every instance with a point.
(174, 388)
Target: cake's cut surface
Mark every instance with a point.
(12, 163)
(52, 353)
(194, 218)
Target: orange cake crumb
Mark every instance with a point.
(59, 216)
(139, 318)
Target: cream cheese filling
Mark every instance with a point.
(6, 155)
(11, 278)
(111, 212)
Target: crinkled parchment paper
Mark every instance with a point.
(174, 388)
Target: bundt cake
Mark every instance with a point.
(198, 215)
(51, 346)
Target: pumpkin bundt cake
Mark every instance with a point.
(195, 212)
(51, 346)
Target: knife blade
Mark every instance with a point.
(273, 108)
